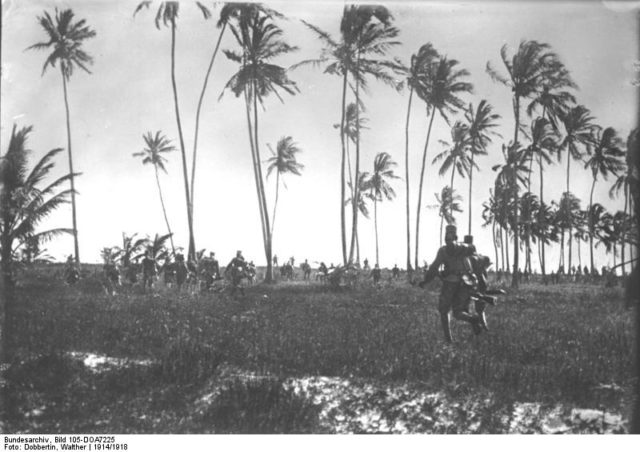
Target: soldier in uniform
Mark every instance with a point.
(148, 270)
(236, 270)
(395, 271)
(376, 274)
(455, 293)
(182, 271)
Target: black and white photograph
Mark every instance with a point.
(318, 217)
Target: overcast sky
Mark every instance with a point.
(129, 93)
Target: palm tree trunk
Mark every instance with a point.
(197, 127)
(263, 198)
(76, 247)
(495, 245)
(453, 173)
(590, 218)
(506, 248)
(470, 188)
(354, 219)
(275, 205)
(542, 257)
(164, 211)
(424, 161)
(343, 230)
(192, 247)
(624, 231)
(441, 225)
(514, 187)
(406, 179)
(375, 221)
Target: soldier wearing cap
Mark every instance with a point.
(456, 291)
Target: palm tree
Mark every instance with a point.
(168, 14)
(528, 70)
(602, 222)
(131, 249)
(415, 76)
(605, 158)
(622, 183)
(567, 210)
(351, 129)
(24, 203)
(581, 232)
(283, 161)
(363, 208)
(157, 146)
(544, 230)
(480, 123)
(366, 35)
(489, 218)
(543, 144)
(448, 203)
(439, 89)
(511, 176)
(228, 12)
(554, 98)
(380, 188)
(66, 38)
(157, 247)
(260, 41)
(456, 156)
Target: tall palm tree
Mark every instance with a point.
(439, 89)
(527, 71)
(24, 202)
(622, 184)
(363, 208)
(543, 144)
(480, 123)
(381, 189)
(544, 230)
(511, 174)
(448, 203)
(260, 41)
(351, 129)
(455, 157)
(578, 125)
(366, 35)
(553, 98)
(168, 14)
(228, 12)
(606, 157)
(415, 77)
(156, 146)
(581, 232)
(489, 218)
(283, 161)
(66, 37)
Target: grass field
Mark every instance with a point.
(301, 357)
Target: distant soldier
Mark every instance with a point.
(365, 266)
(236, 270)
(455, 293)
(168, 272)
(71, 273)
(181, 269)
(376, 274)
(149, 270)
(275, 260)
(306, 269)
(395, 271)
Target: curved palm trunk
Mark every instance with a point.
(354, 224)
(343, 230)
(406, 178)
(375, 220)
(275, 205)
(164, 211)
(192, 246)
(624, 231)
(591, 225)
(263, 199)
(199, 108)
(424, 160)
(72, 178)
(569, 218)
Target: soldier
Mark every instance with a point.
(306, 269)
(455, 294)
(395, 271)
(148, 270)
(236, 270)
(366, 264)
(375, 274)
(182, 271)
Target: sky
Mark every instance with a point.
(129, 93)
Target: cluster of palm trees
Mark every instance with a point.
(534, 74)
